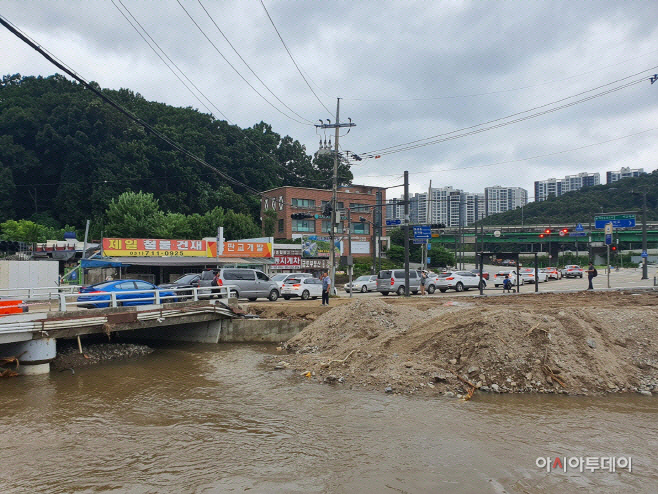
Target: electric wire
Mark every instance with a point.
(124, 111)
(293, 60)
(236, 70)
(248, 66)
(170, 60)
(381, 150)
(503, 90)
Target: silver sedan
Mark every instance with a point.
(363, 284)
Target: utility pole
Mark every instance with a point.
(334, 189)
(378, 226)
(645, 267)
(349, 243)
(406, 233)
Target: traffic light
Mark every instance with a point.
(547, 231)
(541, 235)
(300, 216)
(613, 248)
(565, 230)
(327, 209)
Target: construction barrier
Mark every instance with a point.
(11, 307)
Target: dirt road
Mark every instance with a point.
(575, 343)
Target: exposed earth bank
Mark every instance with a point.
(575, 343)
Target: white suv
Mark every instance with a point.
(458, 281)
(281, 278)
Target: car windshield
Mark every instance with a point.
(445, 275)
(186, 279)
(363, 278)
(384, 274)
(103, 286)
(291, 281)
(279, 277)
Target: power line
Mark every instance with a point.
(236, 70)
(502, 90)
(517, 160)
(293, 60)
(121, 109)
(420, 142)
(248, 66)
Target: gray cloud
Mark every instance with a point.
(406, 71)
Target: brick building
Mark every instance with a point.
(359, 199)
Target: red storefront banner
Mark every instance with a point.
(142, 247)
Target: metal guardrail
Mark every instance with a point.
(186, 294)
(38, 293)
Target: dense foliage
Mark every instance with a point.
(65, 156)
(581, 206)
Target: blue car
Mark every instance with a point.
(98, 296)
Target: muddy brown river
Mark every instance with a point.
(206, 419)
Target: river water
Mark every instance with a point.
(212, 419)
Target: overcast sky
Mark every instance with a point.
(405, 71)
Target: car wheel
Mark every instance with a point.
(252, 299)
(274, 295)
(234, 293)
(286, 297)
(305, 295)
(442, 290)
(431, 289)
(459, 287)
(364, 289)
(415, 292)
(400, 291)
(384, 293)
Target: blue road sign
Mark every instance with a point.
(393, 222)
(418, 241)
(644, 254)
(422, 231)
(579, 227)
(617, 220)
(608, 238)
(577, 234)
(429, 246)
(429, 259)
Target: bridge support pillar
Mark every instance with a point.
(34, 356)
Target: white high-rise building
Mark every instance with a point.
(625, 172)
(558, 186)
(499, 199)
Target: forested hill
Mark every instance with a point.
(64, 155)
(582, 205)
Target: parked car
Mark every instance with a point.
(431, 282)
(459, 281)
(186, 281)
(244, 283)
(392, 280)
(281, 278)
(304, 288)
(499, 277)
(363, 284)
(572, 271)
(98, 296)
(553, 273)
(508, 262)
(528, 276)
(476, 272)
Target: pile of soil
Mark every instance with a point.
(576, 343)
(69, 357)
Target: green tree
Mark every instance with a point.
(269, 222)
(135, 215)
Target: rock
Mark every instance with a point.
(388, 389)
(513, 384)
(449, 394)
(485, 389)
(453, 361)
(408, 365)
(591, 343)
(473, 370)
(439, 377)
(460, 396)
(282, 365)
(495, 388)
(645, 392)
(528, 376)
(330, 379)
(478, 384)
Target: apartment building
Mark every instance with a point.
(557, 186)
(499, 199)
(625, 172)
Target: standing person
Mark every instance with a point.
(507, 284)
(326, 285)
(591, 273)
(423, 279)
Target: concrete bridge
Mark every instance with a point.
(32, 337)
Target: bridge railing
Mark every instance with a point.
(116, 299)
(38, 293)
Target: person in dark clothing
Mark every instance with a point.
(591, 273)
(326, 285)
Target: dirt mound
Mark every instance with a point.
(500, 345)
